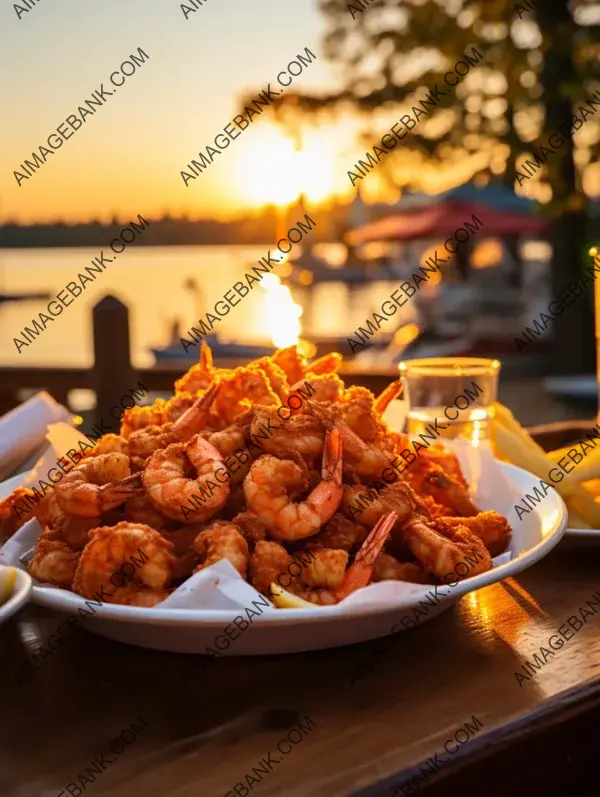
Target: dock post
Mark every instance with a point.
(113, 375)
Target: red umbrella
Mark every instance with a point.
(444, 220)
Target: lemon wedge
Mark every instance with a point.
(8, 578)
(285, 600)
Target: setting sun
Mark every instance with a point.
(269, 170)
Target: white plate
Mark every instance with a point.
(19, 595)
(294, 630)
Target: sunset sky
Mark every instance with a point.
(128, 156)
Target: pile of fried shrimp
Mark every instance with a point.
(220, 472)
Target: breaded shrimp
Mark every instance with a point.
(326, 568)
(327, 364)
(53, 562)
(146, 552)
(200, 375)
(268, 486)
(96, 485)
(185, 557)
(360, 571)
(291, 363)
(489, 526)
(269, 562)
(327, 387)
(176, 406)
(170, 488)
(139, 509)
(73, 529)
(253, 529)
(361, 459)
(140, 417)
(302, 433)
(440, 550)
(136, 595)
(387, 568)
(340, 533)
(144, 442)
(222, 540)
(276, 375)
(367, 505)
(240, 390)
(229, 441)
(110, 444)
(428, 478)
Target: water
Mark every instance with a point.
(149, 280)
(474, 423)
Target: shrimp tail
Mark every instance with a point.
(111, 493)
(328, 364)
(322, 414)
(383, 401)
(360, 571)
(332, 457)
(206, 358)
(195, 418)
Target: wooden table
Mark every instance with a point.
(203, 725)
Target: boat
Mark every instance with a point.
(220, 349)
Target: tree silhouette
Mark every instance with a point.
(541, 60)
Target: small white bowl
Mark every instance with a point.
(19, 595)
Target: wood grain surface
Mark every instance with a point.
(377, 710)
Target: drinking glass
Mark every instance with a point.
(594, 252)
(459, 391)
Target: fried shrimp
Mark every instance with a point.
(140, 417)
(326, 387)
(185, 557)
(493, 529)
(276, 375)
(96, 485)
(360, 459)
(359, 573)
(142, 549)
(139, 509)
(222, 540)
(291, 363)
(268, 485)
(327, 568)
(110, 444)
(175, 407)
(229, 441)
(170, 484)
(269, 562)
(430, 479)
(143, 443)
(200, 375)
(301, 433)
(53, 562)
(368, 504)
(441, 550)
(73, 530)
(340, 533)
(253, 529)
(327, 364)
(240, 390)
(387, 568)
